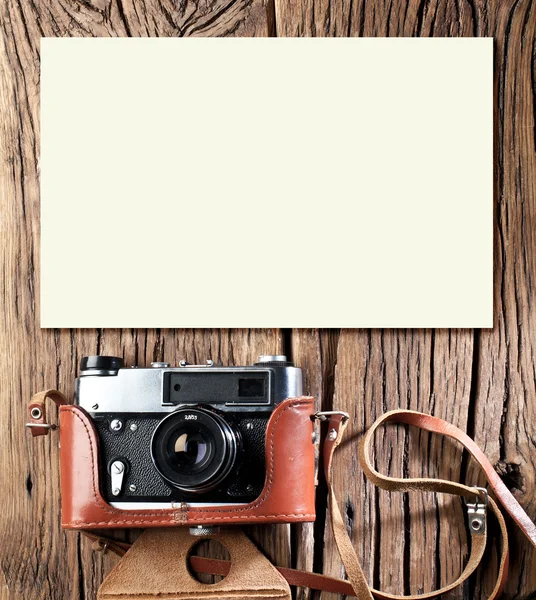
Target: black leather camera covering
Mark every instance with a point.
(243, 484)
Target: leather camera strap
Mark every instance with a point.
(337, 424)
(477, 503)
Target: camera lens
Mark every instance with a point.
(190, 449)
(194, 449)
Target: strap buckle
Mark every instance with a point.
(323, 415)
(476, 512)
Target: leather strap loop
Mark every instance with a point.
(37, 411)
(336, 427)
(436, 425)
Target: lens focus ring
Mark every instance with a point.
(194, 449)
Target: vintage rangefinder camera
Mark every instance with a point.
(190, 434)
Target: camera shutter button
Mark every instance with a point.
(276, 360)
(263, 358)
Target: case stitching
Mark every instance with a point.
(165, 520)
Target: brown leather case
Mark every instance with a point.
(252, 576)
(287, 497)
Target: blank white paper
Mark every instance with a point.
(266, 182)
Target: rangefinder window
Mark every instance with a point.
(251, 388)
(190, 387)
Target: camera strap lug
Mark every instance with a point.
(324, 415)
(476, 512)
(37, 411)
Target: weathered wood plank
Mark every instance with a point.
(505, 401)
(397, 536)
(314, 351)
(38, 560)
(483, 382)
(382, 18)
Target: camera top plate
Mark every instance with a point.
(162, 388)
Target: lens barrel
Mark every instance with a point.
(194, 449)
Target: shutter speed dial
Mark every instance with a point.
(94, 365)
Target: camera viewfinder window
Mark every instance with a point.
(251, 388)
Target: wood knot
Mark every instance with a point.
(510, 473)
(349, 516)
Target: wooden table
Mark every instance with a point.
(483, 381)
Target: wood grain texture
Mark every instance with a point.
(483, 381)
(38, 559)
(399, 535)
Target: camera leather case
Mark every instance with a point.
(287, 496)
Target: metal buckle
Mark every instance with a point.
(44, 425)
(476, 512)
(324, 414)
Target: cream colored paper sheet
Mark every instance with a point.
(266, 182)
